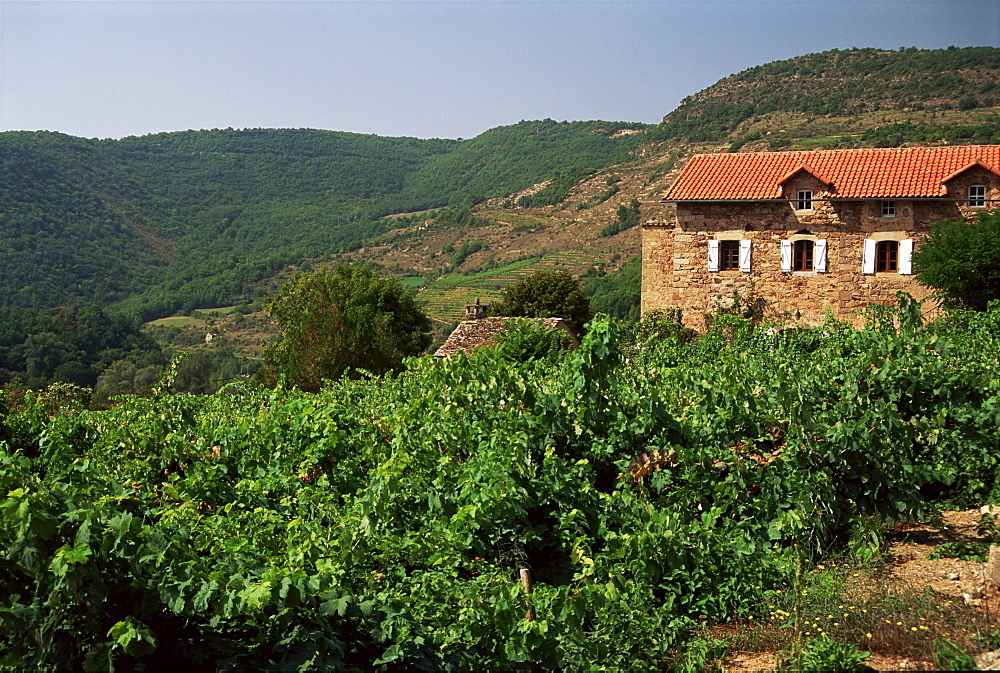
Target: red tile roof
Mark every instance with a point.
(871, 173)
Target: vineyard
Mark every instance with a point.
(650, 483)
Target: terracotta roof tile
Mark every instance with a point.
(889, 172)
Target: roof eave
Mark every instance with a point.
(829, 198)
(978, 163)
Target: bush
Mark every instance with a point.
(628, 216)
(962, 260)
(546, 294)
(524, 341)
(618, 294)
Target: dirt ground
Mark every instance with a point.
(963, 582)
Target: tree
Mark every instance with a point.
(546, 294)
(962, 260)
(341, 320)
(618, 293)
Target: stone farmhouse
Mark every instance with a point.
(808, 231)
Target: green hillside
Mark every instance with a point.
(73, 227)
(243, 205)
(171, 221)
(507, 159)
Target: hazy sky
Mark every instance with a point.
(413, 68)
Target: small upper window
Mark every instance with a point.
(888, 209)
(804, 200)
(802, 256)
(977, 196)
(887, 256)
(729, 255)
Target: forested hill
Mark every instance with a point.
(199, 218)
(842, 83)
(73, 224)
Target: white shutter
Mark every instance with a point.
(868, 256)
(713, 255)
(819, 255)
(786, 255)
(745, 255)
(906, 256)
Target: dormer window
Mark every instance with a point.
(977, 196)
(804, 200)
(888, 209)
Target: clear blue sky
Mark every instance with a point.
(412, 68)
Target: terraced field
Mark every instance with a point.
(447, 297)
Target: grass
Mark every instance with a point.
(445, 298)
(220, 310)
(513, 218)
(179, 321)
(196, 319)
(856, 604)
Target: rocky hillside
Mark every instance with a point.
(858, 97)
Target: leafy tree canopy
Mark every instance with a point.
(337, 321)
(617, 294)
(546, 294)
(962, 261)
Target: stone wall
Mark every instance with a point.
(675, 268)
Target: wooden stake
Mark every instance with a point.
(526, 584)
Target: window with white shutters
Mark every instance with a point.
(729, 255)
(887, 256)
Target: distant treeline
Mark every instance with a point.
(109, 354)
(895, 135)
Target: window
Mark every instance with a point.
(729, 255)
(977, 196)
(802, 256)
(886, 256)
(804, 200)
(888, 209)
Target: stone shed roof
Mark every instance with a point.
(866, 173)
(471, 334)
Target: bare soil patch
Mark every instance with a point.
(909, 602)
